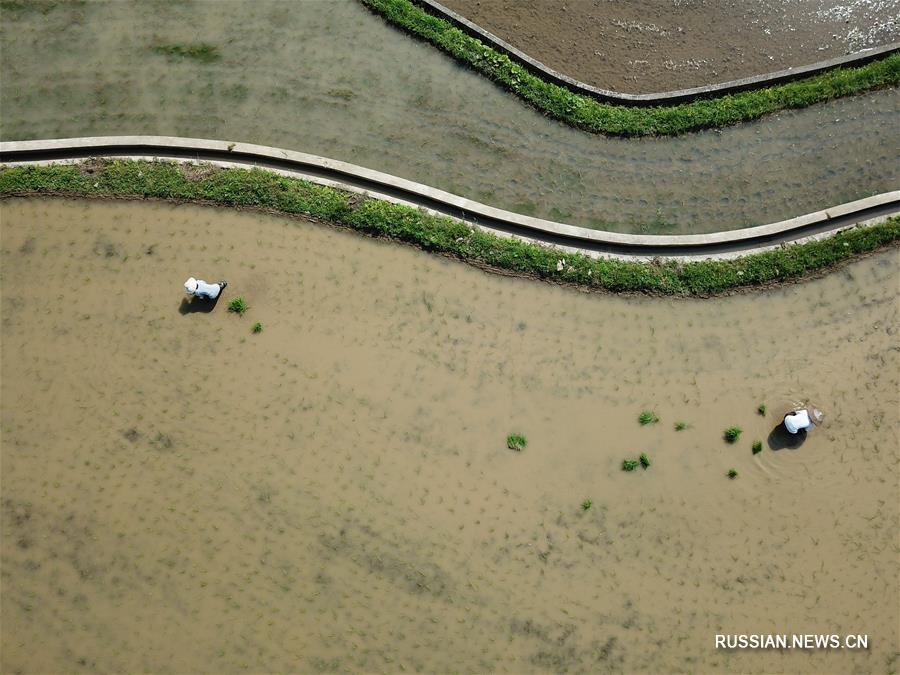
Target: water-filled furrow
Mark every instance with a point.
(330, 78)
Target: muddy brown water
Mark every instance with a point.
(335, 494)
(333, 79)
(649, 46)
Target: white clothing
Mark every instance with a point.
(201, 289)
(797, 421)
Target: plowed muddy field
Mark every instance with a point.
(335, 493)
(646, 46)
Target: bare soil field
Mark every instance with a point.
(335, 493)
(645, 46)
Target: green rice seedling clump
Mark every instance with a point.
(645, 461)
(732, 434)
(257, 327)
(238, 305)
(757, 447)
(680, 426)
(516, 442)
(629, 464)
(587, 503)
(732, 473)
(647, 417)
(761, 409)
(202, 52)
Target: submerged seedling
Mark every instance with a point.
(587, 503)
(647, 417)
(629, 464)
(732, 473)
(238, 305)
(732, 434)
(680, 426)
(757, 447)
(516, 442)
(761, 409)
(645, 461)
(257, 327)
(202, 52)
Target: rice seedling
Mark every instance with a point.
(645, 461)
(257, 327)
(757, 447)
(761, 409)
(587, 503)
(629, 464)
(680, 426)
(732, 434)
(204, 53)
(647, 417)
(238, 305)
(516, 442)
(732, 473)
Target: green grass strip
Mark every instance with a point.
(263, 189)
(624, 120)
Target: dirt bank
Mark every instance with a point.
(644, 46)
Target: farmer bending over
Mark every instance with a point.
(200, 289)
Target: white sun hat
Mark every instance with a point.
(190, 285)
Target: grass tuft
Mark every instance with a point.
(202, 52)
(238, 305)
(645, 460)
(757, 447)
(629, 464)
(271, 192)
(593, 115)
(732, 434)
(516, 442)
(647, 417)
(257, 327)
(732, 474)
(680, 426)
(587, 503)
(761, 409)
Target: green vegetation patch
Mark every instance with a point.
(271, 192)
(516, 442)
(623, 120)
(238, 305)
(732, 474)
(644, 460)
(587, 503)
(762, 409)
(647, 417)
(257, 327)
(202, 52)
(732, 434)
(680, 426)
(757, 447)
(629, 464)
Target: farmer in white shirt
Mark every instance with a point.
(200, 289)
(804, 419)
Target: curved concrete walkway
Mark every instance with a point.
(660, 98)
(358, 179)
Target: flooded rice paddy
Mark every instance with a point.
(335, 494)
(330, 78)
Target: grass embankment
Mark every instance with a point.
(266, 190)
(624, 120)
